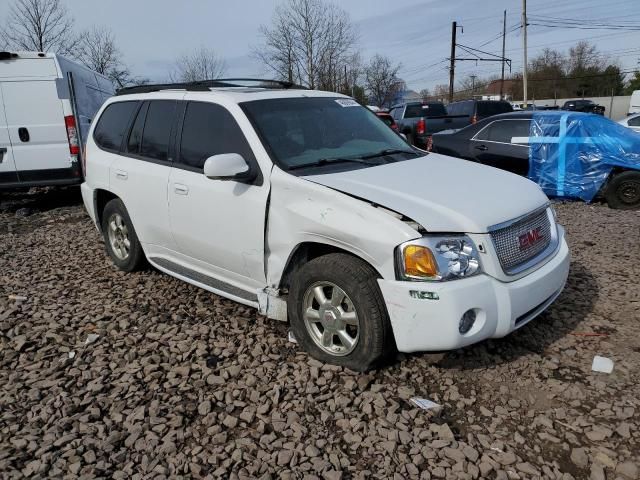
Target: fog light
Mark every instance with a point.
(467, 321)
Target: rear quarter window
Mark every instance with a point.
(113, 124)
(487, 109)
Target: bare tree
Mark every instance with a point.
(425, 94)
(98, 51)
(203, 64)
(309, 42)
(381, 80)
(441, 91)
(40, 25)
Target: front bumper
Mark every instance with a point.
(501, 307)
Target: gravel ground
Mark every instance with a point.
(106, 374)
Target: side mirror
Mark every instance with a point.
(404, 137)
(228, 166)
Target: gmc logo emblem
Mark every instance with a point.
(530, 238)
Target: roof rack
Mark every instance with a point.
(205, 85)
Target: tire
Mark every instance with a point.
(623, 191)
(118, 231)
(372, 337)
(410, 139)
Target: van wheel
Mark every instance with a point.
(337, 313)
(623, 191)
(120, 237)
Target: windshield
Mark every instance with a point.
(302, 131)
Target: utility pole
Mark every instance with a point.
(454, 27)
(504, 34)
(473, 84)
(524, 46)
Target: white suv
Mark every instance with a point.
(306, 206)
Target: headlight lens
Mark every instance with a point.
(438, 259)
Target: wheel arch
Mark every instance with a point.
(100, 199)
(308, 250)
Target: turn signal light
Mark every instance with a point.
(419, 262)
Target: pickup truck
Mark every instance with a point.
(586, 106)
(419, 120)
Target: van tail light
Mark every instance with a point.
(474, 119)
(429, 143)
(72, 134)
(421, 127)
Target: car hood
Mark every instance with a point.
(443, 194)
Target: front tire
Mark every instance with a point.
(623, 191)
(337, 312)
(121, 241)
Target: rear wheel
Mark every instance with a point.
(337, 313)
(120, 237)
(623, 191)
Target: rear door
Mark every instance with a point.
(7, 163)
(139, 174)
(37, 131)
(503, 144)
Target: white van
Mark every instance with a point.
(634, 104)
(39, 142)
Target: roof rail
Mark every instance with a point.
(204, 85)
(8, 55)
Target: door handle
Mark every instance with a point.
(121, 174)
(180, 189)
(2, 152)
(23, 133)
(482, 148)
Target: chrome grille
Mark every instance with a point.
(508, 243)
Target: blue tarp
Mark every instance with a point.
(571, 154)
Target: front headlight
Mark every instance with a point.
(437, 258)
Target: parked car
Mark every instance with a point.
(574, 155)
(40, 130)
(476, 110)
(632, 122)
(634, 102)
(302, 204)
(419, 120)
(586, 106)
(388, 119)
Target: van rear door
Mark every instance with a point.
(37, 131)
(7, 164)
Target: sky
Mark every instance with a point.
(415, 34)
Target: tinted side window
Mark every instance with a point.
(112, 125)
(209, 130)
(487, 109)
(133, 144)
(634, 122)
(157, 129)
(504, 131)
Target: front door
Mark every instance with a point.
(7, 163)
(218, 225)
(503, 144)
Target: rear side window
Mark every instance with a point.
(208, 130)
(426, 110)
(488, 109)
(506, 131)
(112, 125)
(157, 129)
(133, 144)
(634, 122)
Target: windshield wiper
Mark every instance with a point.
(326, 161)
(389, 151)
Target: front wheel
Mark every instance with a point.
(337, 312)
(623, 191)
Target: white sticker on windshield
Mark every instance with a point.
(347, 102)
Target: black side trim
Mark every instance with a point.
(41, 178)
(204, 279)
(8, 177)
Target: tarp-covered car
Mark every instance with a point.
(569, 154)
